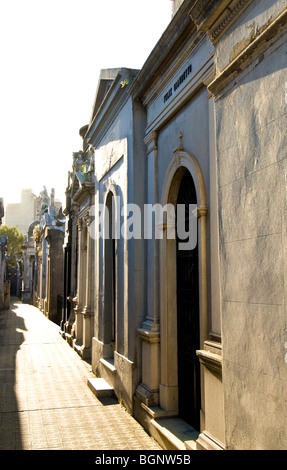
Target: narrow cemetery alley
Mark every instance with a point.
(45, 402)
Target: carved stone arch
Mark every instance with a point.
(111, 213)
(111, 189)
(181, 162)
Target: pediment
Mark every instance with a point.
(106, 79)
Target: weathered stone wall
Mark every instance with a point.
(252, 168)
(119, 160)
(250, 25)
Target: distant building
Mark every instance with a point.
(22, 214)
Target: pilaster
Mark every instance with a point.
(151, 322)
(212, 436)
(88, 311)
(78, 309)
(148, 391)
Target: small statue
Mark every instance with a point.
(44, 196)
(44, 200)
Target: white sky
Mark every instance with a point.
(51, 53)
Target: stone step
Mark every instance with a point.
(100, 387)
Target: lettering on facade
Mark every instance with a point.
(167, 95)
(178, 82)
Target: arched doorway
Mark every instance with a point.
(110, 276)
(188, 337)
(175, 394)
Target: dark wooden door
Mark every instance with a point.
(188, 318)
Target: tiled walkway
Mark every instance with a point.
(45, 402)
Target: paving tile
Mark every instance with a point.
(45, 403)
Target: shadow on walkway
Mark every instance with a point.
(12, 327)
(45, 401)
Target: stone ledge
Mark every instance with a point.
(207, 442)
(210, 360)
(147, 396)
(149, 336)
(109, 364)
(175, 433)
(153, 411)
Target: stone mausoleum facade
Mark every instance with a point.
(191, 340)
(45, 265)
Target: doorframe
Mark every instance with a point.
(168, 390)
(188, 406)
(109, 312)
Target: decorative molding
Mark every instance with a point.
(74, 211)
(207, 442)
(202, 212)
(210, 360)
(151, 141)
(248, 56)
(201, 11)
(80, 224)
(149, 336)
(110, 108)
(73, 301)
(186, 160)
(179, 28)
(179, 148)
(228, 19)
(215, 17)
(87, 219)
(202, 76)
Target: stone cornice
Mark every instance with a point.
(109, 109)
(227, 19)
(149, 336)
(210, 360)
(179, 31)
(203, 12)
(151, 141)
(86, 189)
(215, 17)
(251, 52)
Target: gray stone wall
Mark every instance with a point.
(252, 168)
(120, 169)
